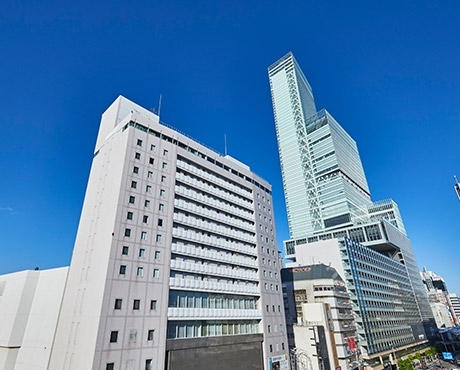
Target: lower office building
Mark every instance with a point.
(386, 314)
(319, 318)
(455, 303)
(175, 264)
(439, 298)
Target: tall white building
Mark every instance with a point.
(328, 198)
(175, 263)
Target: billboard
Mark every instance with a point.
(278, 362)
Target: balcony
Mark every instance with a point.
(185, 313)
(213, 286)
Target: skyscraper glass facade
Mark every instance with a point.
(327, 197)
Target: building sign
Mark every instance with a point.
(278, 362)
(301, 269)
(447, 356)
(351, 343)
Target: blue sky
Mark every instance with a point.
(387, 71)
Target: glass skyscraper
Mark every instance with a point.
(327, 197)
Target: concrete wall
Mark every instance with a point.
(30, 302)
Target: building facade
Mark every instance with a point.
(328, 198)
(440, 300)
(319, 317)
(455, 303)
(29, 311)
(175, 254)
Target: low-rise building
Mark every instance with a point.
(29, 309)
(319, 318)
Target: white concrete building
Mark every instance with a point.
(175, 253)
(29, 310)
(319, 316)
(455, 303)
(439, 298)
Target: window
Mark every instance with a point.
(122, 269)
(118, 303)
(153, 305)
(137, 156)
(128, 232)
(161, 207)
(269, 328)
(271, 348)
(134, 184)
(143, 235)
(142, 252)
(135, 169)
(140, 271)
(268, 308)
(163, 179)
(150, 334)
(160, 222)
(125, 250)
(148, 188)
(145, 219)
(156, 273)
(147, 204)
(282, 346)
(132, 199)
(162, 192)
(148, 364)
(139, 142)
(164, 166)
(136, 304)
(152, 147)
(129, 216)
(165, 153)
(158, 239)
(132, 336)
(151, 160)
(157, 255)
(110, 366)
(150, 175)
(113, 336)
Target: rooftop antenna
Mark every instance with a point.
(225, 144)
(457, 187)
(159, 106)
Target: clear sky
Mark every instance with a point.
(388, 72)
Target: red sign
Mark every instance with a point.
(351, 343)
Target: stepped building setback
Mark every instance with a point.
(175, 264)
(332, 220)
